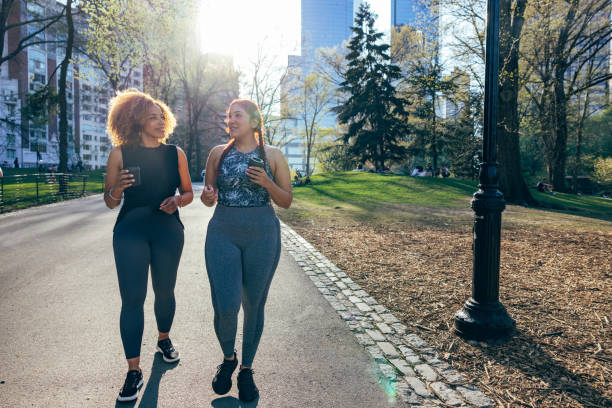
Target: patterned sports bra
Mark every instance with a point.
(235, 188)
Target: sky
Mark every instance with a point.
(236, 27)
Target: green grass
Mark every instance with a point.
(368, 190)
(21, 192)
(365, 192)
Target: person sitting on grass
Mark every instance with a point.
(543, 187)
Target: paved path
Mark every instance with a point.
(59, 325)
(327, 343)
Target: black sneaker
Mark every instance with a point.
(222, 382)
(133, 382)
(168, 351)
(247, 391)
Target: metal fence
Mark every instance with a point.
(21, 191)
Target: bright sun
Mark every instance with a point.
(237, 27)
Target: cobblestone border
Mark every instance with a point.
(408, 367)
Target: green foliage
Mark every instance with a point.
(372, 108)
(461, 143)
(40, 105)
(598, 134)
(336, 157)
(114, 37)
(603, 172)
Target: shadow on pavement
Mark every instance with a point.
(232, 402)
(151, 391)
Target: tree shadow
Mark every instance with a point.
(150, 394)
(540, 364)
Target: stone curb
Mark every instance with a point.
(407, 365)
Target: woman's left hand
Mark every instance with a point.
(170, 204)
(258, 176)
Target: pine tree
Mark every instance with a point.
(373, 112)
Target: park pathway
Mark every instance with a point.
(60, 336)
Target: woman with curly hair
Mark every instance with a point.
(243, 238)
(145, 173)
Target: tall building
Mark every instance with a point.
(325, 23)
(408, 12)
(36, 142)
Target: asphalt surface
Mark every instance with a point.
(59, 324)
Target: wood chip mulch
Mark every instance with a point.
(556, 284)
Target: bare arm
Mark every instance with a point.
(185, 196)
(210, 194)
(280, 189)
(116, 180)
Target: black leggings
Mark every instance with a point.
(146, 237)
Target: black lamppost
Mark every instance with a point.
(483, 317)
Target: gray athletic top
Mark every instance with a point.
(235, 188)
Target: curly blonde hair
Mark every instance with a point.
(126, 116)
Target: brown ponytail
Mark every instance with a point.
(254, 112)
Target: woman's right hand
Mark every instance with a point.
(126, 179)
(209, 196)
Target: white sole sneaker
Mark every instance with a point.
(167, 360)
(131, 397)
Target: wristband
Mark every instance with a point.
(110, 194)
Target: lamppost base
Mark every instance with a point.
(483, 321)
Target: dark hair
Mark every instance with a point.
(254, 112)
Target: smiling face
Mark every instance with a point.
(154, 124)
(239, 122)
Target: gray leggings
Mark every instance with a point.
(242, 251)
(146, 237)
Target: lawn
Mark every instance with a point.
(21, 191)
(408, 240)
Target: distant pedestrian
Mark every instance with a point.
(429, 172)
(445, 172)
(80, 165)
(145, 173)
(16, 162)
(1, 174)
(543, 186)
(243, 238)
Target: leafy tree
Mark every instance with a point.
(114, 34)
(372, 108)
(308, 102)
(563, 39)
(264, 88)
(468, 45)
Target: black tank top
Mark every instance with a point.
(159, 177)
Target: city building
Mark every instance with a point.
(35, 141)
(325, 24)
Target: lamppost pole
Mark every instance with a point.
(483, 317)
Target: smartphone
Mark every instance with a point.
(135, 171)
(256, 162)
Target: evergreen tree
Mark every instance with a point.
(462, 144)
(373, 112)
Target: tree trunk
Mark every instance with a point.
(434, 147)
(578, 158)
(63, 122)
(560, 120)
(511, 180)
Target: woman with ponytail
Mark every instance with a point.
(243, 239)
